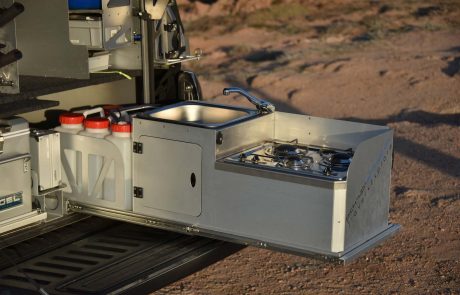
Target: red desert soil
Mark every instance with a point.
(394, 63)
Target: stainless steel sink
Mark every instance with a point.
(201, 114)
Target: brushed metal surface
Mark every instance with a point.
(15, 180)
(135, 218)
(323, 131)
(15, 176)
(268, 210)
(367, 199)
(22, 220)
(168, 168)
(237, 137)
(42, 32)
(205, 115)
(117, 25)
(156, 10)
(46, 159)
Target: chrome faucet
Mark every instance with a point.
(262, 105)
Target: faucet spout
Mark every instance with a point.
(262, 105)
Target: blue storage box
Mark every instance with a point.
(85, 4)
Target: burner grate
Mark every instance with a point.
(293, 157)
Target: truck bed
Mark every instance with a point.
(91, 255)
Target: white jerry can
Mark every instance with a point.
(97, 164)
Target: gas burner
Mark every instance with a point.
(279, 152)
(338, 161)
(298, 158)
(286, 150)
(297, 162)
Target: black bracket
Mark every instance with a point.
(138, 147)
(138, 192)
(171, 27)
(8, 14)
(219, 138)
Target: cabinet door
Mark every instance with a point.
(169, 173)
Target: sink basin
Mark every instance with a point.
(201, 114)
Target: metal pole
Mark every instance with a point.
(148, 50)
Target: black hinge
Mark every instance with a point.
(172, 27)
(138, 192)
(138, 147)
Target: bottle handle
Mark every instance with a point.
(99, 110)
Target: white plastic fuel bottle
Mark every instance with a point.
(121, 138)
(71, 123)
(98, 128)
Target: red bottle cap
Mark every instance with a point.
(97, 123)
(121, 127)
(71, 118)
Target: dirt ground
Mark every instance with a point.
(394, 63)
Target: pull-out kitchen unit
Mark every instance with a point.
(276, 180)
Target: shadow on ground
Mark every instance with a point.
(453, 67)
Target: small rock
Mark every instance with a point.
(411, 282)
(335, 39)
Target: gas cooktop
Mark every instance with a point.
(292, 157)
